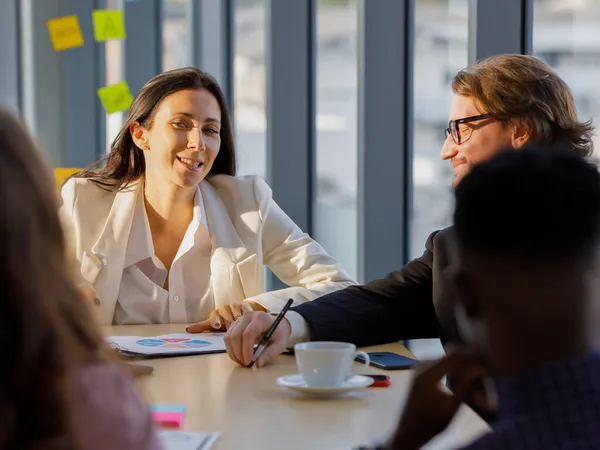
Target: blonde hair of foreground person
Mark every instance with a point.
(47, 330)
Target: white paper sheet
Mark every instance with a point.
(169, 344)
(181, 440)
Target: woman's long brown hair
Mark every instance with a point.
(46, 329)
(125, 162)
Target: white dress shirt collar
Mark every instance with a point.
(140, 245)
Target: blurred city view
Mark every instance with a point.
(565, 36)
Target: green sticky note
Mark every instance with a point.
(108, 24)
(115, 97)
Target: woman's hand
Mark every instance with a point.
(88, 293)
(222, 318)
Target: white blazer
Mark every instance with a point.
(247, 229)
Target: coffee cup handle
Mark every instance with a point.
(365, 357)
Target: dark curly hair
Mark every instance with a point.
(536, 204)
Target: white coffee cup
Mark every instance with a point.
(326, 364)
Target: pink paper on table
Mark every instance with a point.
(169, 419)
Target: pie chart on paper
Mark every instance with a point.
(168, 345)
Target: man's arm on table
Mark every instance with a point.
(399, 306)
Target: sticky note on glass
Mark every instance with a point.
(65, 33)
(108, 24)
(115, 97)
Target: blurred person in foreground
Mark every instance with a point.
(59, 388)
(505, 101)
(527, 229)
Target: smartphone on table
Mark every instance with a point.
(389, 361)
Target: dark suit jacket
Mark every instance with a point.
(414, 302)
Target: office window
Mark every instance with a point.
(335, 219)
(440, 50)
(565, 36)
(114, 74)
(176, 34)
(250, 87)
(441, 47)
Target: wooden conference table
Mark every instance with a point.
(252, 412)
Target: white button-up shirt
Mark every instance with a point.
(142, 298)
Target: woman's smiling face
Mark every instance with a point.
(183, 140)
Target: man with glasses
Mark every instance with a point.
(505, 101)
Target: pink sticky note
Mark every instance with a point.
(169, 419)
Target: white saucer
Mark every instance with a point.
(297, 383)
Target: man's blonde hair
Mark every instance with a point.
(523, 89)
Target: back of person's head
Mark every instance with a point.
(45, 327)
(522, 89)
(527, 224)
(536, 205)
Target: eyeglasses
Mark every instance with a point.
(454, 130)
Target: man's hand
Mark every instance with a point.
(430, 407)
(482, 399)
(222, 318)
(249, 330)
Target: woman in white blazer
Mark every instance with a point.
(165, 232)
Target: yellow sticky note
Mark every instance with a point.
(65, 32)
(108, 25)
(115, 97)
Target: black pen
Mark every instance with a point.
(265, 339)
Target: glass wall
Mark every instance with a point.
(566, 36)
(335, 219)
(176, 51)
(115, 72)
(176, 39)
(249, 72)
(441, 50)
